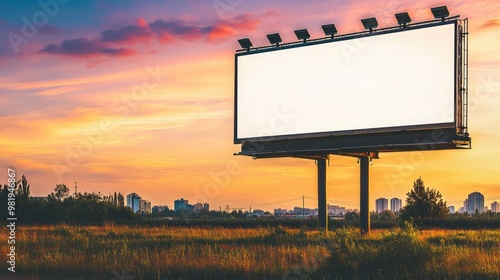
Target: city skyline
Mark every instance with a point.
(394, 204)
(141, 94)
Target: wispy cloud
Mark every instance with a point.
(85, 48)
(132, 33)
(109, 41)
(167, 31)
(228, 28)
(490, 24)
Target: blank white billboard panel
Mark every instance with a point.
(389, 81)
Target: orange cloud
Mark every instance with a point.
(228, 28)
(490, 24)
(142, 22)
(221, 31)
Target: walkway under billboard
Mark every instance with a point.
(396, 89)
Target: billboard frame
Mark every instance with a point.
(459, 122)
(368, 146)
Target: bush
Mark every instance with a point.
(398, 254)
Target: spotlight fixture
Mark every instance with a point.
(274, 39)
(403, 19)
(329, 29)
(245, 43)
(302, 34)
(440, 12)
(370, 23)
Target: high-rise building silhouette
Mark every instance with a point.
(335, 210)
(137, 204)
(144, 206)
(495, 207)
(381, 205)
(475, 203)
(396, 204)
(182, 204)
(134, 202)
(198, 206)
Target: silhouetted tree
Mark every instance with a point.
(387, 215)
(61, 191)
(121, 200)
(23, 189)
(422, 202)
(351, 217)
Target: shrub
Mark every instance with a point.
(397, 254)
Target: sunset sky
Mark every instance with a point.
(137, 96)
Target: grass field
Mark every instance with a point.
(162, 252)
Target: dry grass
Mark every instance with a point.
(88, 252)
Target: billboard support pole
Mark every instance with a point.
(322, 213)
(364, 210)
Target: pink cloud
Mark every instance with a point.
(228, 28)
(127, 34)
(245, 22)
(489, 24)
(109, 41)
(168, 31)
(142, 22)
(221, 31)
(84, 47)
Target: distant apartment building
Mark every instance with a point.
(451, 209)
(381, 205)
(396, 204)
(137, 204)
(280, 212)
(198, 206)
(257, 213)
(144, 207)
(180, 204)
(495, 207)
(201, 207)
(336, 210)
(475, 203)
(306, 211)
(159, 209)
(134, 202)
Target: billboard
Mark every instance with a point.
(402, 79)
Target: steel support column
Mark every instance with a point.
(322, 213)
(364, 182)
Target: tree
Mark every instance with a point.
(422, 202)
(351, 217)
(387, 215)
(61, 191)
(23, 189)
(121, 200)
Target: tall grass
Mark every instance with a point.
(165, 252)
